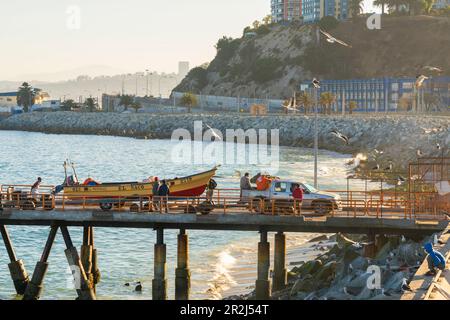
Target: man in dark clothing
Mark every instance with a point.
(212, 185)
(163, 194)
(155, 190)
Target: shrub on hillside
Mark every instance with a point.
(328, 23)
(266, 69)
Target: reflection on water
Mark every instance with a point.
(221, 262)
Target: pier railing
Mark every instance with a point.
(376, 204)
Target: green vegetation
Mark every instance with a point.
(68, 105)
(189, 100)
(265, 69)
(136, 106)
(328, 23)
(26, 96)
(90, 104)
(126, 101)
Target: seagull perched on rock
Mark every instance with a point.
(377, 167)
(431, 68)
(419, 153)
(420, 79)
(332, 39)
(339, 135)
(400, 180)
(438, 146)
(316, 83)
(214, 133)
(390, 167)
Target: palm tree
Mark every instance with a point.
(26, 96)
(352, 105)
(355, 7)
(136, 106)
(382, 4)
(189, 100)
(326, 100)
(90, 104)
(68, 105)
(306, 100)
(428, 5)
(126, 101)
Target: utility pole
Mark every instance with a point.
(316, 140)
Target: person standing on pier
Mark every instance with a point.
(163, 193)
(212, 185)
(297, 194)
(35, 187)
(155, 194)
(245, 183)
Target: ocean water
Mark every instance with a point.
(221, 263)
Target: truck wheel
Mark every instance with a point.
(322, 207)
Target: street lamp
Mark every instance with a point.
(316, 140)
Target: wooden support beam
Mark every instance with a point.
(16, 267)
(279, 270)
(86, 253)
(35, 286)
(82, 284)
(263, 281)
(159, 283)
(182, 272)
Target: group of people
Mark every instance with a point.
(263, 183)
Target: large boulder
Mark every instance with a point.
(327, 272)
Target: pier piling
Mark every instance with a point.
(159, 283)
(182, 272)
(370, 248)
(86, 253)
(263, 281)
(35, 286)
(82, 284)
(16, 267)
(95, 268)
(280, 272)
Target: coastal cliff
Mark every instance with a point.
(398, 136)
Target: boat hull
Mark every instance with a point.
(190, 186)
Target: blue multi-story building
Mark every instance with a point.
(384, 94)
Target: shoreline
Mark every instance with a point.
(398, 137)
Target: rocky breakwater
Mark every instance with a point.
(397, 136)
(344, 272)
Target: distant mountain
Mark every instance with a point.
(274, 60)
(92, 71)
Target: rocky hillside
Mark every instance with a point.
(277, 58)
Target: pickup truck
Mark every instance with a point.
(320, 202)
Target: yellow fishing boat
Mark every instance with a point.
(190, 186)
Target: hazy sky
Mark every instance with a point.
(130, 35)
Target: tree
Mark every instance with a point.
(382, 4)
(68, 105)
(306, 100)
(26, 96)
(267, 19)
(326, 100)
(428, 5)
(328, 23)
(352, 105)
(90, 104)
(355, 7)
(126, 101)
(256, 24)
(136, 106)
(189, 100)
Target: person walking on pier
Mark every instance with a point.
(35, 187)
(297, 194)
(163, 193)
(435, 260)
(155, 194)
(245, 183)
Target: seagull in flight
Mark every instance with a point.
(316, 83)
(420, 80)
(431, 68)
(214, 133)
(339, 135)
(332, 39)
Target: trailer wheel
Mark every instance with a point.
(322, 207)
(106, 206)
